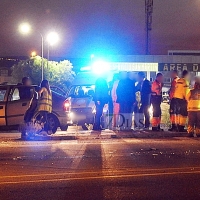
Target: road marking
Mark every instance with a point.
(194, 169)
(98, 177)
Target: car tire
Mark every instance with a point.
(53, 123)
(64, 128)
(84, 127)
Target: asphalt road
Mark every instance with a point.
(100, 169)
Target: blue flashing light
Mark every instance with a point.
(87, 68)
(100, 67)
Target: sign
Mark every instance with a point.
(192, 67)
(129, 67)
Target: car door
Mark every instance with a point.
(17, 104)
(3, 100)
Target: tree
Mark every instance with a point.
(58, 73)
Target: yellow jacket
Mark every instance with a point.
(193, 98)
(181, 89)
(45, 101)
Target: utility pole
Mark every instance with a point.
(148, 18)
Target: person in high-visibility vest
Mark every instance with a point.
(175, 78)
(45, 103)
(180, 103)
(193, 99)
(156, 99)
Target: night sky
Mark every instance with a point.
(99, 27)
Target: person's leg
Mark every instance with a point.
(99, 112)
(110, 115)
(197, 129)
(116, 115)
(172, 112)
(129, 116)
(177, 109)
(44, 119)
(122, 115)
(191, 123)
(183, 115)
(136, 118)
(155, 118)
(146, 115)
(159, 112)
(97, 118)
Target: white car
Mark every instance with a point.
(80, 105)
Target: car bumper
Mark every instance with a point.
(82, 116)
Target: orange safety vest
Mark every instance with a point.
(156, 88)
(172, 88)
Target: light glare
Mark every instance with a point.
(25, 28)
(52, 38)
(100, 67)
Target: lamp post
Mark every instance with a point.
(52, 39)
(25, 29)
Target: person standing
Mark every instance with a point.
(180, 103)
(156, 99)
(193, 99)
(100, 98)
(45, 103)
(27, 92)
(138, 115)
(114, 101)
(175, 78)
(145, 98)
(126, 99)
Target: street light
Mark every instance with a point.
(25, 28)
(52, 39)
(33, 53)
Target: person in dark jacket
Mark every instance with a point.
(100, 98)
(28, 93)
(145, 98)
(126, 99)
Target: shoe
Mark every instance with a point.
(191, 135)
(155, 129)
(173, 128)
(98, 129)
(181, 129)
(198, 135)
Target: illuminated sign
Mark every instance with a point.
(125, 66)
(193, 67)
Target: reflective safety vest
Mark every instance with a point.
(45, 101)
(181, 89)
(193, 99)
(156, 88)
(173, 87)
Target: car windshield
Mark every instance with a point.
(58, 91)
(82, 91)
